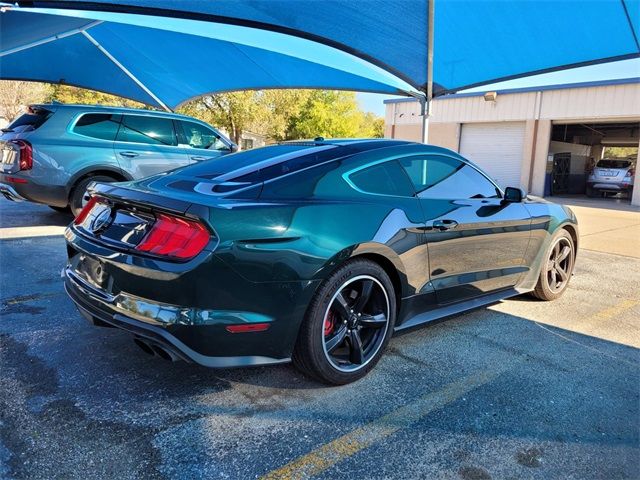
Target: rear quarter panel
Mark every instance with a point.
(302, 229)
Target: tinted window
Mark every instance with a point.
(29, 121)
(98, 125)
(445, 177)
(147, 129)
(386, 178)
(296, 164)
(199, 136)
(613, 164)
(237, 161)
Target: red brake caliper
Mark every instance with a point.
(329, 322)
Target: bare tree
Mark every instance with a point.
(14, 96)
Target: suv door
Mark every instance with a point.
(476, 242)
(148, 144)
(201, 142)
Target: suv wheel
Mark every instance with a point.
(78, 199)
(348, 324)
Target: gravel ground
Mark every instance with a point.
(522, 389)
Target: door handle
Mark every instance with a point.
(198, 158)
(129, 154)
(443, 225)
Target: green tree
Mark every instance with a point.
(234, 112)
(621, 152)
(266, 112)
(277, 114)
(372, 126)
(333, 114)
(83, 96)
(328, 114)
(16, 95)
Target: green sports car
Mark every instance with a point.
(313, 251)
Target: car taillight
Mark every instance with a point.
(630, 173)
(175, 237)
(85, 210)
(26, 154)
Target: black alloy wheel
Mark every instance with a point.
(557, 269)
(348, 323)
(356, 323)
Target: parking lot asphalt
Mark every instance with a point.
(522, 389)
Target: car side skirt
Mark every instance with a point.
(456, 308)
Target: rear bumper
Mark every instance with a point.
(100, 308)
(610, 186)
(10, 194)
(46, 194)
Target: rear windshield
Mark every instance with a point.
(29, 121)
(214, 168)
(613, 164)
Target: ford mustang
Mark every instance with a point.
(314, 251)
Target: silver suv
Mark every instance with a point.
(53, 152)
(611, 175)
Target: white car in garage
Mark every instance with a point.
(611, 175)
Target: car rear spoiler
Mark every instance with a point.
(145, 200)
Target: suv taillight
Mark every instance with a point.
(26, 154)
(175, 237)
(630, 172)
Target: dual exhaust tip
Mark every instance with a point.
(155, 350)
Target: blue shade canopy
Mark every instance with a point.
(180, 49)
(165, 62)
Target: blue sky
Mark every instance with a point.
(372, 102)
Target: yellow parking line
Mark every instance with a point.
(351, 443)
(612, 312)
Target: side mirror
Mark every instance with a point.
(234, 148)
(514, 195)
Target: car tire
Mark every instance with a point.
(591, 192)
(557, 268)
(60, 209)
(319, 352)
(76, 199)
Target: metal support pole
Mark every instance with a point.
(425, 103)
(424, 112)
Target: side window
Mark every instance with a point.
(444, 177)
(386, 178)
(199, 136)
(147, 129)
(98, 125)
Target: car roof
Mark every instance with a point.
(113, 109)
(372, 143)
(241, 164)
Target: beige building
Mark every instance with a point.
(545, 139)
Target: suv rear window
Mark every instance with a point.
(613, 164)
(98, 125)
(29, 121)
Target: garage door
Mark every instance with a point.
(496, 148)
